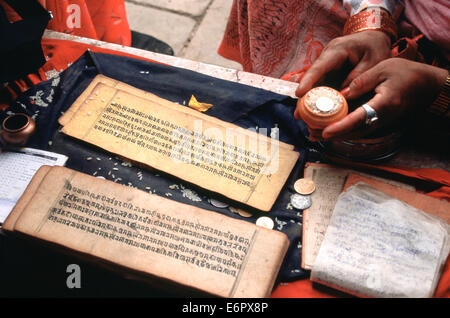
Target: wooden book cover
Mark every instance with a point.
(10, 221)
(242, 165)
(159, 239)
(67, 116)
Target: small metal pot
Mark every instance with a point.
(17, 129)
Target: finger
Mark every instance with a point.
(359, 69)
(329, 60)
(353, 125)
(351, 122)
(366, 82)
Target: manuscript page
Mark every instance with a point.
(378, 246)
(239, 164)
(153, 235)
(89, 94)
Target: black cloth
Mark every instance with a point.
(21, 51)
(149, 43)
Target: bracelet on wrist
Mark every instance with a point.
(441, 106)
(372, 19)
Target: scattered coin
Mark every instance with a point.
(301, 202)
(266, 222)
(234, 210)
(218, 204)
(244, 214)
(304, 186)
(241, 212)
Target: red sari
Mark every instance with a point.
(276, 37)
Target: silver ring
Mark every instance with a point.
(371, 115)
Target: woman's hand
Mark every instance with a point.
(401, 86)
(362, 50)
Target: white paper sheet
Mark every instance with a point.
(17, 167)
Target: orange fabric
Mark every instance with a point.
(431, 175)
(441, 193)
(62, 53)
(276, 37)
(307, 289)
(104, 20)
(296, 76)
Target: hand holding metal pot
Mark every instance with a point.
(320, 107)
(401, 87)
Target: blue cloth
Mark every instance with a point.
(240, 104)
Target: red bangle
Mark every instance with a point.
(372, 19)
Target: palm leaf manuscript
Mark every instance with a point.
(239, 164)
(162, 241)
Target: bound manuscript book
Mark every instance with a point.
(379, 246)
(164, 242)
(330, 181)
(240, 164)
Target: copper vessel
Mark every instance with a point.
(316, 118)
(17, 129)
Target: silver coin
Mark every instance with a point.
(301, 202)
(266, 222)
(218, 204)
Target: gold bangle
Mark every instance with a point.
(441, 106)
(372, 19)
